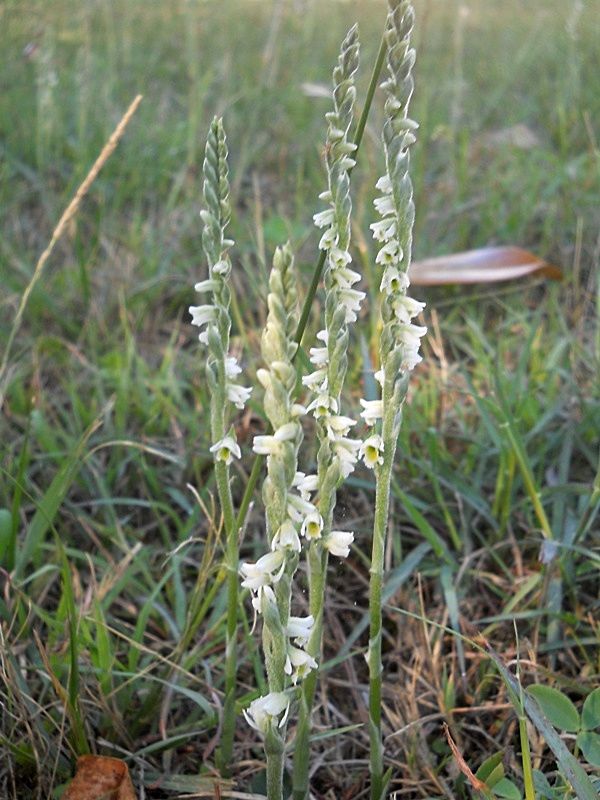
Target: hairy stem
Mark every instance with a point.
(382, 500)
(317, 571)
(231, 559)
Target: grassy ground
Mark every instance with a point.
(109, 563)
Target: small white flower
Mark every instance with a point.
(346, 163)
(384, 205)
(345, 450)
(384, 230)
(306, 484)
(324, 218)
(298, 508)
(338, 426)
(232, 368)
(267, 445)
(286, 537)
(299, 629)
(319, 356)
(410, 335)
(390, 253)
(338, 543)
(209, 285)
(312, 525)
(265, 596)
(202, 315)
(339, 258)
(238, 395)
(410, 360)
(394, 281)
(379, 377)
(225, 449)
(323, 336)
(406, 308)
(265, 711)
(316, 380)
(223, 267)
(384, 184)
(298, 410)
(268, 569)
(329, 238)
(345, 277)
(298, 663)
(323, 405)
(351, 298)
(373, 410)
(371, 451)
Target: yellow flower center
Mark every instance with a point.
(372, 453)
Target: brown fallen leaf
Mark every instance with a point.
(480, 786)
(100, 778)
(486, 265)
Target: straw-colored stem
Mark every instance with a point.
(66, 217)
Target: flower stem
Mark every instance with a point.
(274, 749)
(231, 560)
(382, 502)
(317, 572)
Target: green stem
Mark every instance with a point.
(382, 498)
(231, 561)
(316, 573)
(362, 122)
(274, 749)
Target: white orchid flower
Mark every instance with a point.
(371, 451)
(298, 663)
(265, 711)
(238, 395)
(225, 449)
(323, 405)
(351, 299)
(299, 629)
(312, 526)
(346, 450)
(286, 537)
(373, 410)
(306, 484)
(268, 569)
(394, 281)
(338, 425)
(338, 543)
(406, 308)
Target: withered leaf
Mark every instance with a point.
(100, 778)
(486, 265)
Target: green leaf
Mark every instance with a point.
(589, 744)
(50, 503)
(488, 769)
(6, 528)
(542, 785)
(590, 714)
(506, 788)
(574, 772)
(557, 707)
